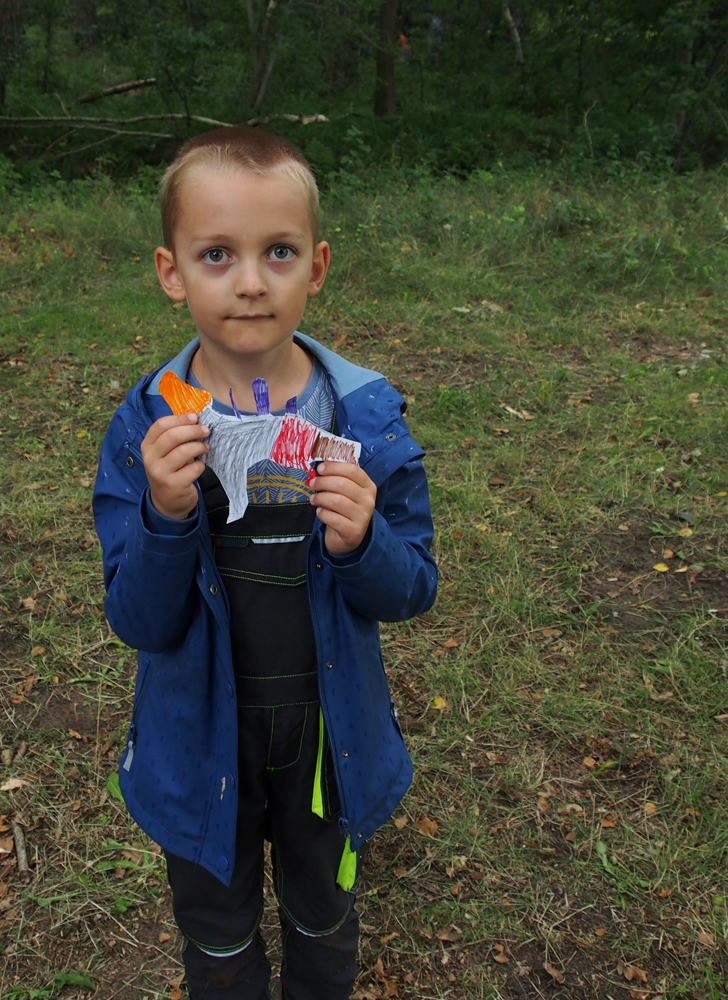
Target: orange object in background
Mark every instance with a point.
(182, 398)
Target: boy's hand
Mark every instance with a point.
(345, 496)
(171, 451)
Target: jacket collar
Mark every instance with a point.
(345, 376)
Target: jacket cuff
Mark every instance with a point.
(158, 524)
(351, 558)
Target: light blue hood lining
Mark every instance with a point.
(345, 376)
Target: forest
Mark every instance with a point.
(435, 87)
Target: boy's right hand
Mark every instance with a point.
(171, 451)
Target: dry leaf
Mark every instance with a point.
(661, 567)
(555, 973)
(11, 784)
(451, 644)
(542, 804)
(501, 957)
(569, 838)
(440, 704)
(74, 734)
(551, 633)
(389, 937)
(6, 845)
(176, 994)
(136, 857)
(668, 554)
(707, 939)
(401, 821)
(571, 807)
(650, 808)
(600, 931)
(449, 933)
(164, 937)
(29, 602)
(400, 872)
(631, 972)
(428, 827)
(685, 532)
(37, 651)
(608, 824)
(521, 414)
(589, 762)
(497, 758)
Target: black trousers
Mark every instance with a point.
(224, 954)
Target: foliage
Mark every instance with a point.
(604, 83)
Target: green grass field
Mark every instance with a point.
(562, 347)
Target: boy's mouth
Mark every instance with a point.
(253, 316)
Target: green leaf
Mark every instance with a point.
(606, 863)
(112, 787)
(74, 979)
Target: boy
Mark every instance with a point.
(261, 708)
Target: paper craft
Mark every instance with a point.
(238, 442)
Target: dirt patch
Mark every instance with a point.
(626, 582)
(650, 348)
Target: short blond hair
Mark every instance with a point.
(244, 148)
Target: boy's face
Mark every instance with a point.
(244, 259)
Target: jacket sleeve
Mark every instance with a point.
(149, 576)
(393, 577)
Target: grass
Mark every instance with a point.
(562, 349)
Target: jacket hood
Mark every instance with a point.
(345, 376)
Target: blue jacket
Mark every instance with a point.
(165, 598)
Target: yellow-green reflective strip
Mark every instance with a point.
(317, 802)
(347, 867)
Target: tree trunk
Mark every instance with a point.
(385, 102)
(513, 28)
(85, 25)
(11, 40)
(259, 43)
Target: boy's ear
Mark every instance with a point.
(169, 277)
(319, 267)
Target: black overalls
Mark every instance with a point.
(282, 748)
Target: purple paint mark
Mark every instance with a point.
(260, 391)
(292, 406)
(232, 403)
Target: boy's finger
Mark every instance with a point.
(173, 437)
(182, 455)
(345, 469)
(165, 424)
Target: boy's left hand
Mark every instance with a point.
(345, 496)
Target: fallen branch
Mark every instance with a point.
(62, 121)
(120, 88)
(20, 852)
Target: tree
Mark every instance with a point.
(385, 102)
(86, 25)
(11, 40)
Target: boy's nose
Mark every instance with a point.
(249, 281)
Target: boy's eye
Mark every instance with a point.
(282, 253)
(215, 256)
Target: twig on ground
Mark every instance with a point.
(561, 921)
(20, 850)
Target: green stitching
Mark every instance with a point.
(283, 581)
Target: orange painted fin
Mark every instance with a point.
(183, 398)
